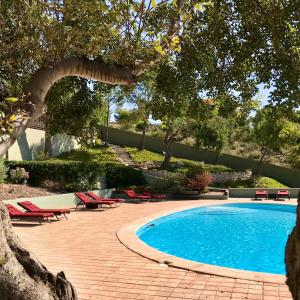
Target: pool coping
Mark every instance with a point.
(127, 236)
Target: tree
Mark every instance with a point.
(214, 134)
(141, 96)
(272, 131)
(82, 105)
(229, 46)
(127, 119)
(96, 35)
(170, 105)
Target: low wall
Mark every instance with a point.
(250, 192)
(289, 177)
(57, 201)
(32, 141)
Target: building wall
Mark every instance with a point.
(290, 177)
(32, 141)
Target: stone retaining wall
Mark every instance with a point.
(231, 176)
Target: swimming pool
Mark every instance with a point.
(246, 236)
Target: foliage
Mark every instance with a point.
(168, 182)
(267, 182)
(83, 109)
(12, 111)
(3, 171)
(120, 176)
(293, 156)
(18, 175)
(68, 173)
(214, 134)
(261, 182)
(127, 119)
(143, 156)
(182, 165)
(200, 182)
(272, 131)
(79, 170)
(98, 155)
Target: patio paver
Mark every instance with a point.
(86, 248)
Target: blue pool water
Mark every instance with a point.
(246, 236)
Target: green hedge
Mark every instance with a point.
(123, 176)
(79, 176)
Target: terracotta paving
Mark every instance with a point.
(86, 248)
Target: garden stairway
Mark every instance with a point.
(124, 156)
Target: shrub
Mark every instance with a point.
(3, 171)
(18, 175)
(200, 182)
(78, 175)
(68, 173)
(167, 182)
(119, 176)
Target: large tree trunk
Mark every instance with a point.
(292, 258)
(44, 78)
(143, 137)
(48, 143)
(22, 276)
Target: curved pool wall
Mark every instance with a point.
(68, 200)
(244, 236)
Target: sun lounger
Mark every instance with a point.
(16, 214)
(29, 206)
(133, 195)
(155, 196)
(98, 198)
(92, 204)
(283, 194)
(261, 194)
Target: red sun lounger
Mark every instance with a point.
(88, 203)
(98, 198)
(261, 194)
(16, 214)
(29, 206)
(155, 196)
(283, 194)
(133, 195)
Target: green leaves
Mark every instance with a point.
(11, 99)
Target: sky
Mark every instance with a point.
(262, 96)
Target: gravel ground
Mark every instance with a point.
(14, 191)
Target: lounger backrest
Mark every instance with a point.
(29, 206)
(130, 193)
(13, 210)
(92, 195)
(84, 198)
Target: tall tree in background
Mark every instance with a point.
(272, 131)
(83, 107)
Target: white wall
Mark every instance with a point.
(32, 141)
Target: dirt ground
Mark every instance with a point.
(14, 191)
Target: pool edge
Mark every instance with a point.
(127, 236)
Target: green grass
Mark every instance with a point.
(103, 154)
(185, 165)
(262, 182)
(267, 182)
(144, 155)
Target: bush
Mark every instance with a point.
(78, 175)
(3, 171)
(119, 176)
(200, 182)
(18, 175)
(69, 174)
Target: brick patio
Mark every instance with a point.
(86, 248)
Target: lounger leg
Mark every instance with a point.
(65, 216)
